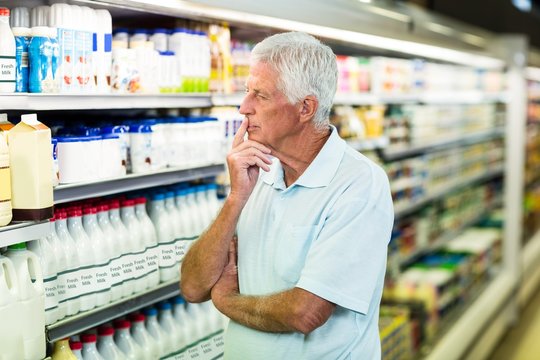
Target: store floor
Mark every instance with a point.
(522, 342)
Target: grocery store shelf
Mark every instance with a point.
(21, 232)
(105, 101)
(78, 191)
(92, 318)
(399, 153)
(454, 344)
(530, 255)
(446, 238)
(368, 144)
(402, 211)
(228, 99)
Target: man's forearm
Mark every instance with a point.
(293, 310)
(203, 264)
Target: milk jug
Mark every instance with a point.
(76, 349)
(174, 219)
(103, 256)
(87, 256)
(43, 249)
(138, 248)
(106, 346)
(182, 320)
(11, 337)
(150, 240)
(123, 238)
(5, 182)
(157, 332)
(31, 300)
(68, 276)
(62, 351)
(115, 251)
(167, 263)
(166, 320)
(89, 350)
(143, 338)
(124, 341)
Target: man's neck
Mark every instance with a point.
(298, 156)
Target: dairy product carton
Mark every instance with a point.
(31, 167)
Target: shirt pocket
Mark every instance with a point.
(292, 249)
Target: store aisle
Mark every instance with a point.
(522, 341)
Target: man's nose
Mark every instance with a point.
(245, 107)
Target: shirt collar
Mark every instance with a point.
(319, 173)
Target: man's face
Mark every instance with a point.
(272, 119)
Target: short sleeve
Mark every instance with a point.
(345, 261)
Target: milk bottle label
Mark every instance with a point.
(128, 266)
(51, 292)
(140, 264)
(66, 69)
(152, 258)
(8, 66)
(73, 284)
(87, 280)
(115, 268)
(167, 258)
(61, 287)
(102, 276)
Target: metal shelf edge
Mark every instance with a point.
(13, 234)
(467, 328)
(80, 191)
(92, 318)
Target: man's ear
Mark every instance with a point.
(309, 107)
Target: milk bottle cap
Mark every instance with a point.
(122, 324)
(128, 203)
(105, 331)
(75, 345)
(114, 204)
(158, 197)
(165, 306)
(20, 17)
(140, 200)
(19, 246)
(89, 338)
(179, 300)
(4, 12)
(137, 317)
(40, 16)
(161, 31)
(150, 311)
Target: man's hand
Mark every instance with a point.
(244, 161)
(227, 285)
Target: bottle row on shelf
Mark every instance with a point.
(99, 251)
(153, 333)
(420, 301)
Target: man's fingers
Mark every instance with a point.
(250, 144)
(239, 137)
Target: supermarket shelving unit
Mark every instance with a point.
(350, 24)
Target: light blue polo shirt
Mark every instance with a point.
(328, 234)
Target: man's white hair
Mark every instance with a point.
(305, 67)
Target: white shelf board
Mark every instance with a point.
(85, 190)
(368, 144)
(530, 255)
(104, 101)
(22, 232)
(454, 344)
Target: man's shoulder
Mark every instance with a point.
(361, 167)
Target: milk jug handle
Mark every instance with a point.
(11, 274)
(38, 272)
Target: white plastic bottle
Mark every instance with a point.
(31, 299)
(140, 138)
(69, 276)
(150, 240)
(61, 18)
(87, 258)
(115, 251)
(160, 38)
(76, 349)
(127, 212)
(7, 54)
(124, 341)
(143, 338)
(106, 345)
(157, 332)
(124, 239)
(198, 317)
(5, 182)
(191, 201)
(204, 208)
(61, 265)
(174, 218)
(167, 263)
(89, 351)
(166, 320)
(138, 35)
(182, 321)
(11, 337)
(186, 216)
(43, 249)
(103, 256)
(102, 60)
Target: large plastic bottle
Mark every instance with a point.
(151, 242)
(61, 18)
(124, 239)
(31, 299)
(203, 206)
(61, 265)
(114, 249)
(69, 276)
(160, 38)
(157, 332)
(87, 258)
(191, 201)
(11, 337)
(103, 256)
(124, 341)
(22, 41)
(167, 263)
(76, 349)
(166, 320)
(89, 350)
(7, 54)
(40, 78)
(44, 250)
(5, 182)
(174, 219)
(186, 217)
(102, 60)
(182, 321)
(106, 345)
(62, 351)
(127, 212)
(143, 338)
(198, 319)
